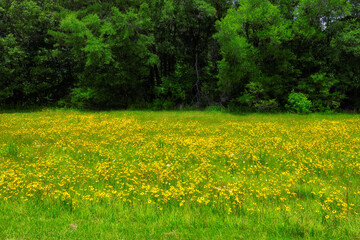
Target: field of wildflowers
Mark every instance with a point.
(283, 176)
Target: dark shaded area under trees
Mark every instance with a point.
(246, 55)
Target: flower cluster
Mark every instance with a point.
(247, 163)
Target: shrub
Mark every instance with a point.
(256, 98)
(322, 89)
(299, 103)
(267, 105)
(81, 97)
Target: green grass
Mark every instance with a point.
(89, 175)
(118, 221)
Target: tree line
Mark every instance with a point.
(245, 55)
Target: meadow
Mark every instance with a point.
(68, 174)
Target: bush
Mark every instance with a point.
(299, 103)
(267, 106)
(321, 88)
(81, 98)
(256, 98)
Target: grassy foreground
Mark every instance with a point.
(178, 175)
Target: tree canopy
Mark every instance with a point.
(247, 55)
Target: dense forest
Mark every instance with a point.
(245, 55)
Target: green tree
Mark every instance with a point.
(111, 53)
(253, 41)
(28, 69)
(183, 39)
(283, 45)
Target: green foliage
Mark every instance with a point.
(163, 104)
(175, 88)
(256, 98)
(312, 16)
(319, 88)
(81, 98)
(252, 42)
(345, 60)
(283, 46)
(29, 72)
(111, 53)
(267, 106)
(349, 38)
(299, 103)
(245, 54)
(183, 42)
